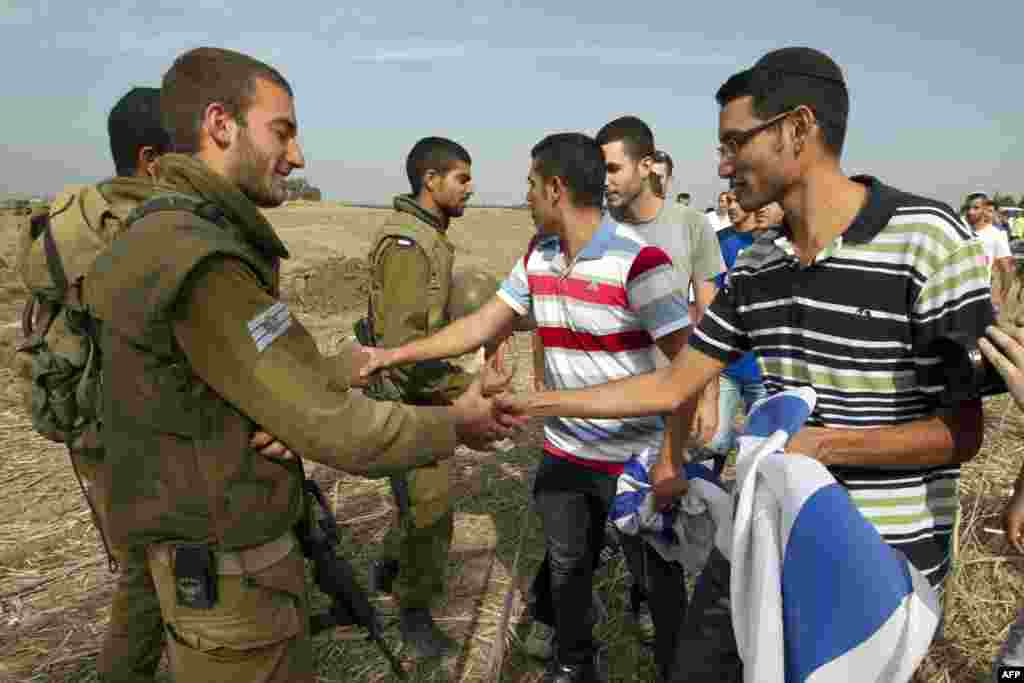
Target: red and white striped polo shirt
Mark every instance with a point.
(598, 318)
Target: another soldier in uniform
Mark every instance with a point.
(134, 639)
(200, 354)
(135, 636)
(411, 262)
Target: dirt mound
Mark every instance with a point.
(334, 286)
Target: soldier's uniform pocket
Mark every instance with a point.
(430, 493)
(264, 608)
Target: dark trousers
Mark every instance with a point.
(706, 647)
(662, 584)
(573, 503)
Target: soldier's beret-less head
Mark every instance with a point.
(206, 75)
(787, 78)
(433, 154)
(134, 123)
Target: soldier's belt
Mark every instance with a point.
(237, 563)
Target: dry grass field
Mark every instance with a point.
(55, 587)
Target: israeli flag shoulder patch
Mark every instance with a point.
(269, 325)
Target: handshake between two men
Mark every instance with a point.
(480, 421)
(480, 407)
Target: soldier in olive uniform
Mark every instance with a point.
(134, 640)
(411, 261)
(200, 355)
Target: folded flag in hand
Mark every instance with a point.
(685, 532)
(817, 595)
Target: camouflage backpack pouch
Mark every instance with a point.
(61, 342)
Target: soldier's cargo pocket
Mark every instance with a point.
(263, 609)
(430, 493)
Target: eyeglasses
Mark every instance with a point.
(730, 146)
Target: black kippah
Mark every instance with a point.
(801, 61)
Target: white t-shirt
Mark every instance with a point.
(995, 242)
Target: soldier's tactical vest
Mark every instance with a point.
(413, 223)
(178, 463)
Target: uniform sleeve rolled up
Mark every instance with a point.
(248, 347)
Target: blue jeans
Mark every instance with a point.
(731, 394)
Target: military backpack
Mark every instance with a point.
(60, 336)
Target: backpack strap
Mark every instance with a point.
(178, 201)
(36, 323)
(53, 261)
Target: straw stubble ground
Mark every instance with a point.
(55, 588)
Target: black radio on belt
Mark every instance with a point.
(195, 576)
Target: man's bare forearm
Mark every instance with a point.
(703, 294)
(677, 433)
(461, 336)
(711, 391)
(537, 354)
(948, 439)
(654, 393)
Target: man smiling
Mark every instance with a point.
(199, 352)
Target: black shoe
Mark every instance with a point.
(382, 575)
(612, 546)
(421, 635)
(593, 670)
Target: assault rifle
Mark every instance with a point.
(334, 576)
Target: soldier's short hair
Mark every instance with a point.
(134, 123)
(433, 154)
(206, 75)
(636, 136)
(576, 159)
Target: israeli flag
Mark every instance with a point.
(817, 595)
(685, 533)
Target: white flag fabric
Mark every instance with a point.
(817, 595)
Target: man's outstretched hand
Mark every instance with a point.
(375, 359)
(478, 420)
(499, 368)
(1013, 521)
(1004, 348)
(512, 408)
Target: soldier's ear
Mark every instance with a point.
(145, 163)
(219, 125)
(431, 180)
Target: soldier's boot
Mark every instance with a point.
(382, 575)
(593, 670)
(421, 635)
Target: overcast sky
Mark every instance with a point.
(937, 98)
